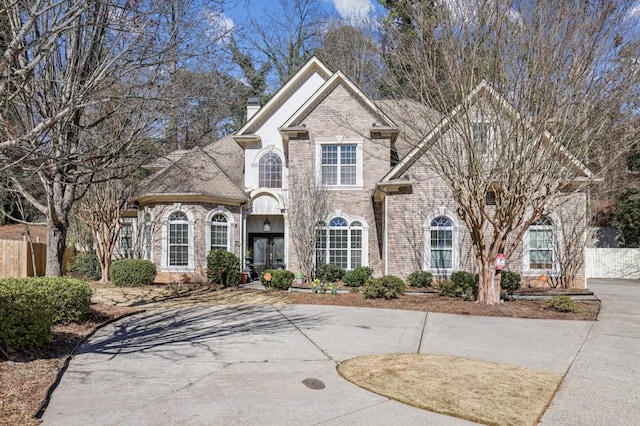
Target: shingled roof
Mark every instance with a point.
(195, 174)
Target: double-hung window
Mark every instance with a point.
(541, 244)
(339, 164)
(441, 242)
(219, 232)
(178, 239)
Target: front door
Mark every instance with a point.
(268, 252)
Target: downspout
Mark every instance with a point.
(384, 239)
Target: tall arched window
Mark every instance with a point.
(270, 171)
(341, 243)
(541, 244)
(219, 232)
(178, 244)
(441, 243)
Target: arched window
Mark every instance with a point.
(178, 244)
(541, 244)
(270, 171)
(341, 243)
(441, 243)
(219, 232)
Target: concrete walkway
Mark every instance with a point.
(246, 364)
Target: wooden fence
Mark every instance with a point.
(613, 263)
(17, 259)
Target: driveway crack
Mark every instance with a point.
(305, 335)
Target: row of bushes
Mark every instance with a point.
(359, 276)
(31, 306)
(464, 285)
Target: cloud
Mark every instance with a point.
(220, 26)
(358, 9)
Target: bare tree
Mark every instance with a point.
(353, 50)
(531, 91)
(286, 34)
(68, 67)
(101, 210)
(308, 207)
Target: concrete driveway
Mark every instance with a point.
(247, 364)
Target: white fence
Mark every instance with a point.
(613, 263)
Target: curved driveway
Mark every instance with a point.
(246, 364)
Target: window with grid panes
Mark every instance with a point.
(340, 243)
(270, 171)
(178, 239)
(541, 244)
(339, 165)
(441, 243)
(125, 243)
(219, 232)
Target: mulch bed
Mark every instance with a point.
(515, 309)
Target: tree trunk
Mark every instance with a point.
(488, 285)
(56, 244)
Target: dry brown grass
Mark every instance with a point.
(479, 391)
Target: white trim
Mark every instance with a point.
(341, 141)
(329, 85)
(365, 237)
(276, 99)
(231, 225)
(455, 242)
(555, 246)
(164, 262)
(385, 237)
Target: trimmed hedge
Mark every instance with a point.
(27, 315)
(420, 279)
(329, 273)
(388, 287)
(357, 277)
(30, 307)
(223, 267)
(132, 272)
(280, 278)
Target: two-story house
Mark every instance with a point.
(387, 210)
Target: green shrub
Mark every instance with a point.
(388, 287)
(279, 279)
(509, 281)
(223, 267)
(420, 279)
(358, 277)
(132, 272)
(562, 304)
(449, 289)
(27, 315)
(468, 282)
(329, 273)
(86, 264)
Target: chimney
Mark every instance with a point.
(253, 105)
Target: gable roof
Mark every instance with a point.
(338, 78)
(445, 124)
(195, 176)
(313, 64)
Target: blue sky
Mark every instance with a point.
(238, 9)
